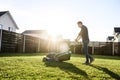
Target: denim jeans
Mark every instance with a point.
(85, 51)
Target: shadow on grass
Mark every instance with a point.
(98, 56)
(20, 54)
(68, 68)
(109, 72)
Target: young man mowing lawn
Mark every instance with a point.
(85, 39)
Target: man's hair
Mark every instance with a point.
(79, 22)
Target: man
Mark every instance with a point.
(85, 39)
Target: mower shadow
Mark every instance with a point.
(68, 68)
(109, 72)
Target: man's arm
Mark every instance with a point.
(78, 37)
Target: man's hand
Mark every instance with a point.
(78, 37)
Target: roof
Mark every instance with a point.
(4, 12)
(42, 34)
(117, 29)
(34, 32)
(110, 37)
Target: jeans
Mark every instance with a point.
(85, 51)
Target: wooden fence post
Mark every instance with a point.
(0, 40)
(93, 48)
(113, 47)
(74, 50)
(39, 46)
(1, 26)
(24, 43)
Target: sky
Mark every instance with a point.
(61, 16)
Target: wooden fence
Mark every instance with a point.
(99, 48)
(14, 42)
(19, 43)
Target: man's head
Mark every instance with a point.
(80, 24)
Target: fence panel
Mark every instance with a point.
(20, 41)
(117, 48)
(9, 41)
(31, 44)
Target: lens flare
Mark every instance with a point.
(64, 47)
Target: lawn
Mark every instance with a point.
(31, 67)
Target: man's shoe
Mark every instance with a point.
(86, 63)
(91, 60)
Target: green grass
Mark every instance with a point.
(31, 67)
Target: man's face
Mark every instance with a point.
(80, 25)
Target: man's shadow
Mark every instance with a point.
(109, 72)
(67, 67)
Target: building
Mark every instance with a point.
(110, 38)
(7, 22)
(116, 45)
(116, 34)
(42, 34)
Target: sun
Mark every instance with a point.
(53, 32)
(55, 35)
